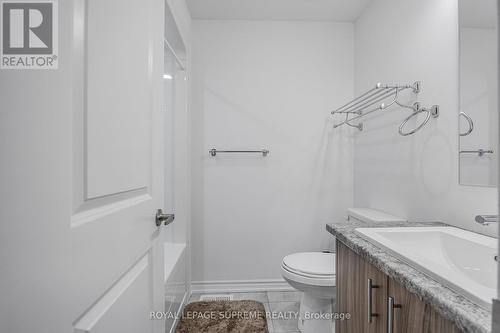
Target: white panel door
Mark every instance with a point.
(82, 176)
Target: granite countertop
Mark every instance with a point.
(465, 314)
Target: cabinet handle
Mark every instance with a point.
(370, 287)
(390, 314)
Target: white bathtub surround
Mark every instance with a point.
(267, 85)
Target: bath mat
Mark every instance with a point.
(223, 317)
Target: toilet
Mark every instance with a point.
(313, 273)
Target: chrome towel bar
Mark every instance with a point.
(480, 152)
(214, 152)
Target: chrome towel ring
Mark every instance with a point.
(433, 111)
(469, 121)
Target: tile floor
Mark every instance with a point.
(274, 301)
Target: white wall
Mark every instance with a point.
(417, 176)
(270, 85)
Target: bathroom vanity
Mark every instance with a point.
(383, 293)
(376, 301)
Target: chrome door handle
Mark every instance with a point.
(370, 287)
(390, 314)
(163, 218)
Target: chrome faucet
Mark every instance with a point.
(486, 219)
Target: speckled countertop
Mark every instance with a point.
(465, 314)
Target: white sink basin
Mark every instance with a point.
(461, 260)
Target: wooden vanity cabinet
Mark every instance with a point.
(409, 313)
(353, 274)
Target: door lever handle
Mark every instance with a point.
(163, 218)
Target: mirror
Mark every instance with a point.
(478, 110)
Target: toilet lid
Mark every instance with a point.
(315, 263)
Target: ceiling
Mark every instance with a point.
(303, 10)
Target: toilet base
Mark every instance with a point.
(311, 311)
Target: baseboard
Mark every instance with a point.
(239, 286)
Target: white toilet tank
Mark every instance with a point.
(368, 215)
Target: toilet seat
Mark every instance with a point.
(311, 263)
(310, 268)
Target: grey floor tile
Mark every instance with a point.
(284, 296)
(285, 326)
(289, 309)
(270, 326)
(258, 296)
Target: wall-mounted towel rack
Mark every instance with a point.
(214, 152)
(377, 99)
(479, 152)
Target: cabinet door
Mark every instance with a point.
(353, 274)
(412, 315)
